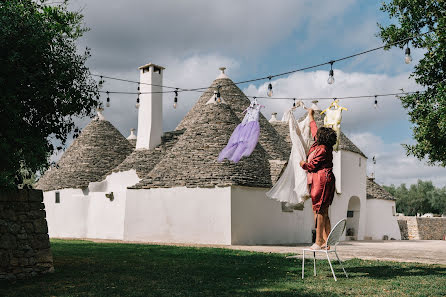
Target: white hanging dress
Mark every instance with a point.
(292, 186)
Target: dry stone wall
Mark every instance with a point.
(24, 242)
(416, 228)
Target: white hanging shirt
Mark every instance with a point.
(292, 185)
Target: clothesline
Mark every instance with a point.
(289, 98)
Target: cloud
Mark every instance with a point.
(392, 164)
(126, 32)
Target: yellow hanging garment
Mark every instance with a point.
(333, 119)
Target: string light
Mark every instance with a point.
(331, 79)
(108, 99)
(137, 99)
(137, 102)
(270, 88)
(376, 102)
(408, 57)
(175, 99)
(294, 102)
(101, 81)
(218, 95)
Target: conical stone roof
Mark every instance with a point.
(99, 148)
(274, 145)
(192, 161)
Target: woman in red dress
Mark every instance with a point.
(319, 165)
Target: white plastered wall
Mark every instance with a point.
(179, 215)
(353, 183)
(89, 213)
(69, 217)
(257, 219)
(380, 220)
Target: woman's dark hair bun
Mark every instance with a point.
(326, 136)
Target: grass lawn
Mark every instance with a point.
(108, 269)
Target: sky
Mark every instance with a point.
(192, 39)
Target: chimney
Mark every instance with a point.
(100, 115)
(273, 117)
(314, 105)
(132, 134)
(150, 112)
(222, 74)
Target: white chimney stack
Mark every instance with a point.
(150, 112)
(314, 105)
(273, 117)
(132, 134)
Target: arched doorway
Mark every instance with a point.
(352, 218)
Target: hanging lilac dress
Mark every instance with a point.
(244, 138)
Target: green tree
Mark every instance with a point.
(44, 84)
(427, 109)
(422, 197)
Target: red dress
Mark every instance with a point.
(320, 173)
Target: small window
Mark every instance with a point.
(393, 211)
(359, 161)
(349, 213)
(57, 197)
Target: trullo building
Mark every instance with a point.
(170, 187)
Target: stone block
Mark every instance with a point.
(22, 236)
(8, 241)
(40, 226)
(44, 256)
(29, 227)
(14, 228)
(23, 261)
(21, 195)
(35, 196)
(40, 241)
(4, 258)
(14, 261)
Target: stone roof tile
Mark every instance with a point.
(375, 191)
(144, 160)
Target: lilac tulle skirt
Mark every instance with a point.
(242, 142)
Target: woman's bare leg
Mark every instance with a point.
(320, 229)
(327, 228)
(327, 225)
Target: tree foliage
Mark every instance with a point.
(427, 109)
(422, 197)
(44, 84)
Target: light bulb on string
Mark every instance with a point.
(408, 57)
(270, 88)
(331, 79)
(108, 99)
(137, 102)
(294, 102)
(218, 95)
(376, 102)
(137, 99)
(175, 99)
(101, 82)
